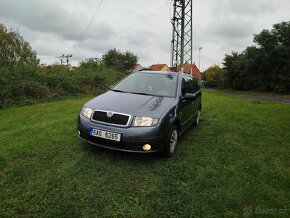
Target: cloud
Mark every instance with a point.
(142, 27)
(43, 17)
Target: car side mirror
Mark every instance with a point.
(189, 96)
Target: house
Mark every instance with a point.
(187, 68)
(135, 68)
(160, 67)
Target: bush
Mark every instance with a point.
(26, 85)
(91, 63)
(18, 85)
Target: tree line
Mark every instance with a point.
(264, 66)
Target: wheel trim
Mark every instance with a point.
(173, 141)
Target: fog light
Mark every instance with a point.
(79, 132)
(146, 147)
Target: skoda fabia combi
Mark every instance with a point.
(145, 112)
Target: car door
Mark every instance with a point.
(195, 89)
(187, 106)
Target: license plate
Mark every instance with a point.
(105, 134)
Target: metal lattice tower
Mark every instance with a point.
(181, 44)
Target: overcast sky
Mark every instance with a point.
(88, 28)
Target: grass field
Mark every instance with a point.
(235, 163)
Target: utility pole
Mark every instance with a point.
(181, 44)
(64, 57)
(199, 52)
(61, 58)
(67, 58)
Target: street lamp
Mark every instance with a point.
(199, 49)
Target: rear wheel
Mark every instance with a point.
(171, 142)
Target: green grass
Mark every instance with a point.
(236, 160)
(251, 93)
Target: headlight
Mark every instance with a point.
(145, 121)
(87, 112)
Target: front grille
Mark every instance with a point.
(116, 118)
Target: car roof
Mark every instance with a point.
(158, 72)
(178, 74)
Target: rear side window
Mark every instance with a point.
(184, 88)
(189, 85)
(196, 86)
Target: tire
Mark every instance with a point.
(197, 119)
(171, 142)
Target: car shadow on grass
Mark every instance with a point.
(98, 152)
(138, 158)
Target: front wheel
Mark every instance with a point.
(171, 142)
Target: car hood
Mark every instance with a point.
(133, 104)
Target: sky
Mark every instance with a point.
(89, 28)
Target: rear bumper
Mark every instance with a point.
(132, 139)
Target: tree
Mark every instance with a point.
(119, 60)
(214, 76)
(14, 50)
(274, 46)
(265, 66)
(91, 63)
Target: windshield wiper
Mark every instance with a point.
(140, 93)
(116, 90)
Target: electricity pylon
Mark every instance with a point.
(181, 44)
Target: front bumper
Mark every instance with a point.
(132, 139)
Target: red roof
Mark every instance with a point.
(187, 69)
(135, 67)
(157, 67)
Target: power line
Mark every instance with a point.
(106, 3)
(95, 14)
(82, 36)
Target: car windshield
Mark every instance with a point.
(155, 84)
